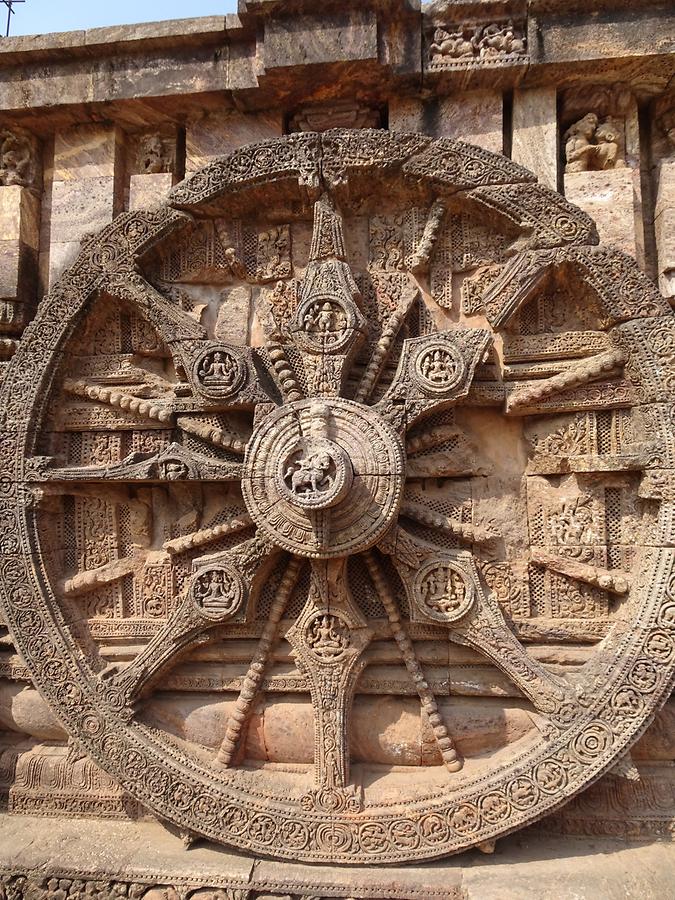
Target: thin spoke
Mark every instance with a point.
(207, 535)
(256, 671)
(474, 534)
(219, 437)
(384, 344)
(451, 757)
(286, 379)
(90, 579)
(112, 396)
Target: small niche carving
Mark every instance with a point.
(594, 145)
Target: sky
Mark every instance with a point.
(42, 16)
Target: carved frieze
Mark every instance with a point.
(497, 42)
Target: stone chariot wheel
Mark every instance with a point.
(364, 428)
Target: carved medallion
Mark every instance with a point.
(378, 511)
(323, 479)
(444, 590)
(439, 367)
(217, 592)
(218, 372)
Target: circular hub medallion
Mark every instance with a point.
(323, 480)
(316, 474)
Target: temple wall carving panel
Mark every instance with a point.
(338, 439)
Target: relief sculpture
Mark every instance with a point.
(374, 514)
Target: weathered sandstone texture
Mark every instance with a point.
(337, 454)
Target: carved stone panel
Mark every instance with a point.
(258, 464)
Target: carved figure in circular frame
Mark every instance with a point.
(327, 636)
(324, 324)
(218, 372)
(444, 591)
(617, 693)
(439, 368)
(316, 474)
(217, 592)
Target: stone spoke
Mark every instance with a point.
(452, 760)
(485, 630)
(328, 641)
(434, 371)
(175, 463)
(217, 593)
(151, 409)
(471, 534)
(328, 325)
(613, 580)
(207, 535)
(91, 579)
(406, 299)
(256, 671)
(218, 436)
(443, 587)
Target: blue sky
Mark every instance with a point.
(41, 16)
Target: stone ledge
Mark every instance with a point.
(528, 865)
(175, 32)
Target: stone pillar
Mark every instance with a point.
(218, 135)
(535, 133)
(86, 190)
(19, 240)
(664, 227)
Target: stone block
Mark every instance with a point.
(146, 191)
(19, 215)
(87, 151)
(81, 207)
(608, 197)
(232, 325)
(219, 135)
(406, 114)
(535, 133)
(10, 253)
(665, 194)
(61, 255)
(658, 742)
(664, 227)
(17, 270)
(321, 38)
(475, 117)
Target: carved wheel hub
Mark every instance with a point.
(324, 478)
(386, 480)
